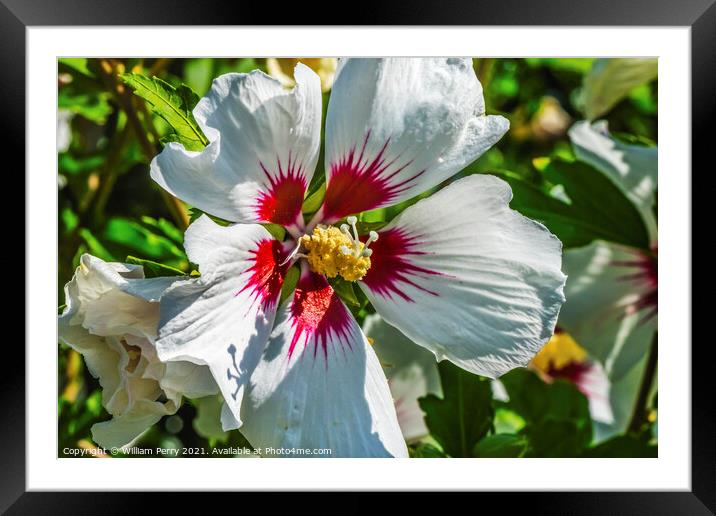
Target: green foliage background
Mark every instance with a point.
(109, 207)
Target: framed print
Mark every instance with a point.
(369, 244)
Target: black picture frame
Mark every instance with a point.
(699, 15)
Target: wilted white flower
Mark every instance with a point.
(111, 318)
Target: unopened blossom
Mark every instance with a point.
(459, 273)
(111, 318)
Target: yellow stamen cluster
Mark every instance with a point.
(332, 252)
(560, 351)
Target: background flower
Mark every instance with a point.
(282, 69)
(111, 319)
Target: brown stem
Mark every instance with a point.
(111, 171)
(639, 415)
(126, 101)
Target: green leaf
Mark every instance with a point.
(364, 228)
(345, 290)
(314, 200)
(556, 438)
(501, 446)
(94, 246)
(427, 451)
(195, 213)
(289, 283)
(174, 105)
(569, 64)
(507, 421)
(558, 423)
(623, 446)
(534, 400)
(166, 227)
(154, 269)
(592, 206)
(76, 64)
(69, 164)
(463, 415)
(94, 107)
(134, 236)
(276, 230)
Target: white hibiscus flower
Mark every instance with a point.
(111, 318)
(613, 289)
(459, 273)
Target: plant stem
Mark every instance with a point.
(639, 415)
(126, 101)
(111, 171)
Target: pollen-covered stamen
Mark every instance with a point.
(338, 251)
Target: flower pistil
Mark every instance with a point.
(338, 251)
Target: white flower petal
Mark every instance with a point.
(622, 396)
(223, 318)
(263, 151)
(397, 127)
(632, 167)
(122, 430)
(187, 379)
(96, 299)
(599, 313)
(468, 278)
(594, 383)
(411, 370)
(319, 383)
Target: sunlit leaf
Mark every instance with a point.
(174, 105)
(153, 269)
(500, 446)
(597, 208)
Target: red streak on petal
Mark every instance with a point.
(318, 315)
(578, 373)
(391, 267)
(281, 202)
(644, 275)
(266, 275)
(572, 371)
(358, 183)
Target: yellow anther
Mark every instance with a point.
(333, 252)
(560, 351)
